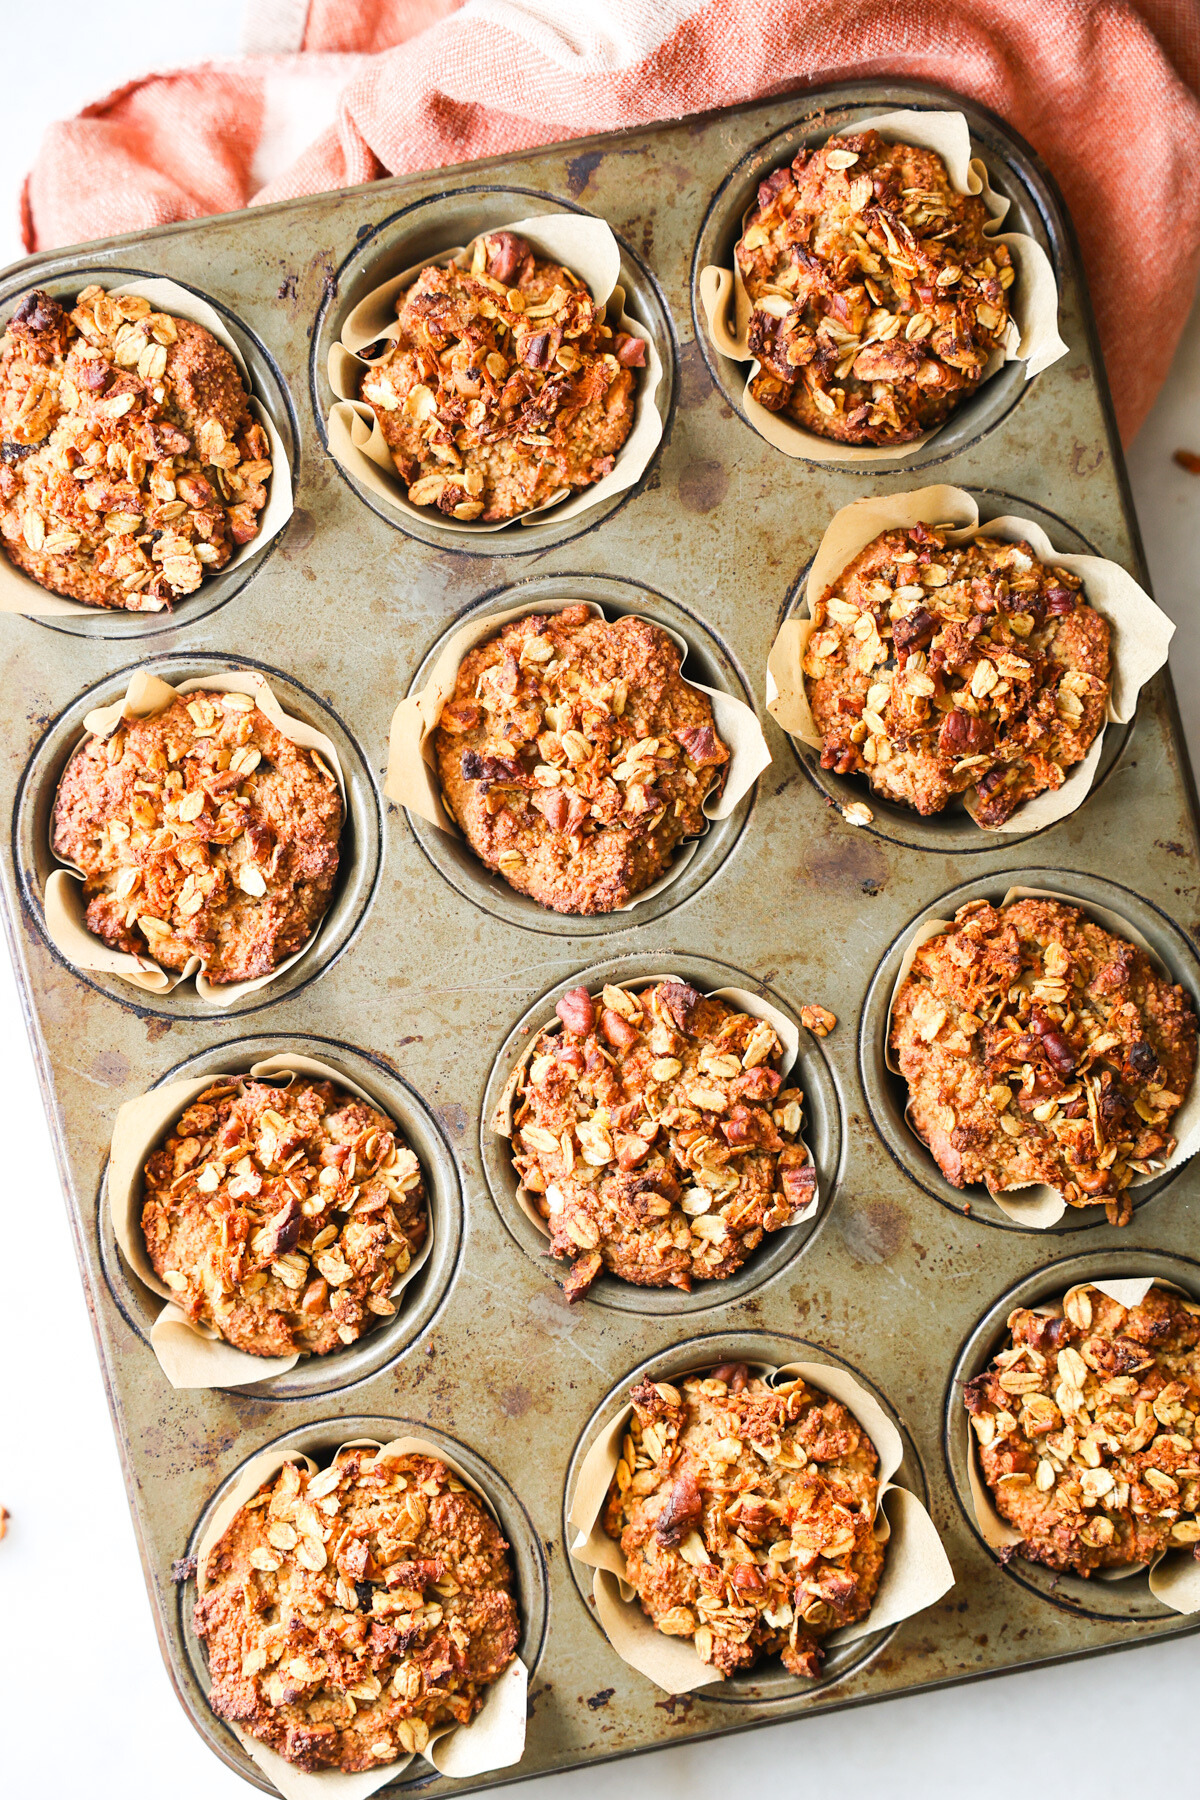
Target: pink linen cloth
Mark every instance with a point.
(1105, 90)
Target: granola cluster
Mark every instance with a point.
(350, 1613)
(576, 757)
(746, 1513)
(282, 1217)
(1087, 1428)
(505, 386)
(656, 1137)
(877, 300)
(201, 832)
(131, 464)
(1038, 1047)
(935, 669)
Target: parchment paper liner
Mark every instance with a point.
(192, 1355)
(495, 1738)
(501, 1121)
(1044, 1206)
(19, 593)
(1141, 632)
(65, 913)
(916, 1571)
(585, 246)
(411, 771)
(1177, 1582)
(1033, 327)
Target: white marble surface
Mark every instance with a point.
(69, 1572)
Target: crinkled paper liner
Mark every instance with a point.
(1043, 1206)
(495, 1738)
(65, 913)
(1174, 1577)
(585, 246)
(19, 593)
(501, 1121)
(1033, 331)
(1141, 632)
(411, 772)
(191, 1355)
(916, 1571)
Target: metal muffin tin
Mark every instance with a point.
(428, 971)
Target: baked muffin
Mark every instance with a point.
(131, 465)
(1038, 1047)
(935, 669)
(655, 1136)
(349, 1614)
(202, 831)
(877, 300)
(1086, 1425)
(505, 385)
(576, 758)
(746, 1516)
(282, 1217)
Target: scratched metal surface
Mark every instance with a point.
(434, 970)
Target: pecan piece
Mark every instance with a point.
(915, 631)
(682, 1511)
(700, 744)
(576, 1011)
(629, 351)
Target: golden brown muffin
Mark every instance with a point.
(504, 387)
(576, 757)
(282, 1217)
(656, 1138)
(349, 1614)
(131, 464)
(1038, 1047)
(746, 1516)
(1086, 1424)
(935, 669)
(202, 831)
(877, 300)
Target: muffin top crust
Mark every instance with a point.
(348, 1614)
(1039, 1047)
(201, 831)
(1086, 1428)
(939, 669)
(282, 1217)
(505, 386)
(576, 758)
(746, 1512)
(656, 1138)
(877, 301)
(131, 464)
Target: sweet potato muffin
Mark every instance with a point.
(505, 386)
(282, 1216)
(1086, 1424)
(202, 831)
(934, 669)
(1038, 1047)
(576, 758)
(746, 1516)
(656, 1138)
(877, 300)
(349, 1614)
(131, 464)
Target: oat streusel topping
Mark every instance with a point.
(505, 385)
(877, 300)
(656, 1138)
(935, 669)
(350, 1613)
(1087, 1429)
(131, 464)
(576, 757)
(283, 1216)
(746, 1515)
(201, 831)
(1038, 1047)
